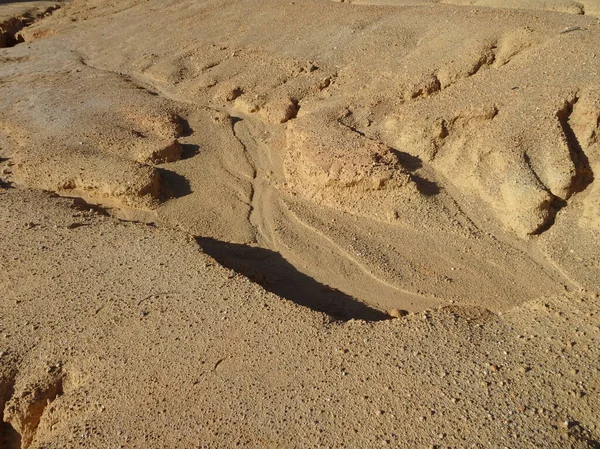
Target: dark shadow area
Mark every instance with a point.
(173, 184)
(581, 434)
(408, 161)
(584, 175)
(186, 129)
(10, 40)
(9, 37)
(129, 79)
(275, 274)
(82, 205)
(148, 91)
(189, 150)
(556, 205)
(9, 33)
(5, 185)
(353, 129)
(9, 437)
(411, 164)
(424, 186)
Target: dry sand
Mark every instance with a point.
(211, 209)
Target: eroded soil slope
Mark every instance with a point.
(400, 160)
(254, 186)
(121, 334)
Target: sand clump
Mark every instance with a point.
(108, 152)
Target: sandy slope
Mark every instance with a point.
(589, 7)
(355, 142)
(348, 159)
(121, 334)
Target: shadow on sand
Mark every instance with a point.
(275, 274)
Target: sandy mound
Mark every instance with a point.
(108, 150)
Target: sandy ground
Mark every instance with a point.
(213, 212)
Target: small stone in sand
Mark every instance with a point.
(397, 313)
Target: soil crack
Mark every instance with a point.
(237, 121)
(584, 175)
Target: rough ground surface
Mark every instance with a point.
(253, 187)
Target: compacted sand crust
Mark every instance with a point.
(273, 224)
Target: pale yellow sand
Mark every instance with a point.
(301, 164)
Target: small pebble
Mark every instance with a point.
(570, 29)
(397, 313)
